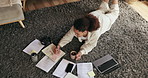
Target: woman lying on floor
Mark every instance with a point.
(90, 27)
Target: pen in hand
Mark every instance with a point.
(57, 50)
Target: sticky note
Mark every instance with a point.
(91, 74)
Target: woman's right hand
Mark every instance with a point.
(57, 50)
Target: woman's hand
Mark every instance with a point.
(78, 56)
(57, 50)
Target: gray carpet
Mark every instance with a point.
(127, 41)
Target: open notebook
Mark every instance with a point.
(49, 60)
(48, 51)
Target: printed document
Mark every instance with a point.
(45, 64)
(83, 69)
(34, 46)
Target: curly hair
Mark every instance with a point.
(87, 23)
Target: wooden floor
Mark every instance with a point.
(141, 8)
(37, 4)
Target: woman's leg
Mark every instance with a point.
(115, 6)
(113, 15)
(115, 2)
(104, 6)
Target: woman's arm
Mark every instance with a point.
(90, 44)
(67, 38)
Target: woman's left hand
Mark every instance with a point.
(78, 56)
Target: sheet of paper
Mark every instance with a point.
(70, 75)
(35, 46)
(60, 70)
(45, 64)
(83, 69)
(48, 51)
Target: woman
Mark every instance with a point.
(90, 27)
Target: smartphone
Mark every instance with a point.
(69, 67)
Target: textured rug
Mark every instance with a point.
(127, 41)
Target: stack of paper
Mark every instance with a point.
(83, 69)
(70, 75)
(34, 46)
(45, 64)
(48, 51)
(60, 70)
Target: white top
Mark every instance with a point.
(83, 38)
(89, 44)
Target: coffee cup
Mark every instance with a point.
(73, 54)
